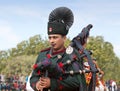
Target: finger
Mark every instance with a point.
(43, 83)
(42, 80)
(44, 77)
(40, 87)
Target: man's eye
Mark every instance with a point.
(49, 37)
(54, 37)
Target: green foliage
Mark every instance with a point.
(106, 59)
(67, 42)
(21, 47)
(20, 64)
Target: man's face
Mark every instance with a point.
(56, 41)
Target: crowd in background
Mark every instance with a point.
(15, 82)
(112, 85)
(12, 82)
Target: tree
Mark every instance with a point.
(22, 46)
(104, 53)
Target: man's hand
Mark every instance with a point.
(44, 82)
(39, 87)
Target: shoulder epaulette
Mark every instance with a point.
(47, 49)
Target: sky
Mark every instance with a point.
(22, 19)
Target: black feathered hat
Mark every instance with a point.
(60, 20)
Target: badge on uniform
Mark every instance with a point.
(59, 56)
(69, 50)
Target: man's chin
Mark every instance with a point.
(54, 48)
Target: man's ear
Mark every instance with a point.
(65, 38)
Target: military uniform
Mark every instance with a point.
(59, 82)
(50, 64)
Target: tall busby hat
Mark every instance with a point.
(60, 20)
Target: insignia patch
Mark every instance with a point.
(50, 29)
(69, 50)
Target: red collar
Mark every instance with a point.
(61, 51)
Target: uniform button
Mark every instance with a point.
(59, 56)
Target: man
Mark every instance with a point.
(48, 73)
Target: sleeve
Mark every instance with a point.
(36, 73)
(33, 80)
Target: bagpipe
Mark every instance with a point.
(78, 43)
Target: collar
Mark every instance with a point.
(58, 52)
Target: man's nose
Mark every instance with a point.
(51, 40)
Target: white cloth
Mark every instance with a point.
(114, 86)
(28, 87)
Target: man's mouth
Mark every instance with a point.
(53, 45)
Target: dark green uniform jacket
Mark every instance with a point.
(59, 82)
